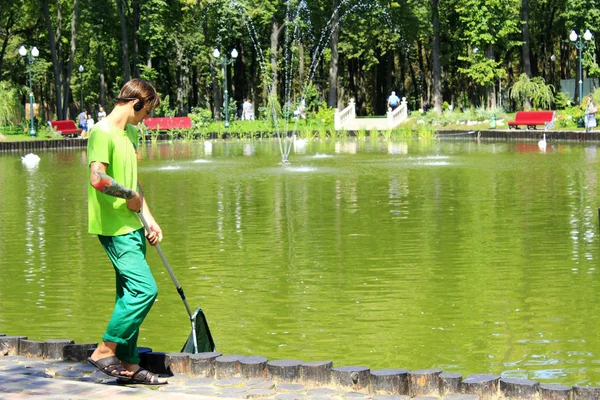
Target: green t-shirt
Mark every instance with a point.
(109, 215)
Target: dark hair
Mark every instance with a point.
(139, 89)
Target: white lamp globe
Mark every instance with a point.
(35, 52)
(573, 36)
(216, 53)
(22, 51)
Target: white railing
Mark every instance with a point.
(394, 118)
(346, 115)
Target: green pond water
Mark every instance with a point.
(465, 256)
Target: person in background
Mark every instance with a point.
(101, 114)
(393, 101)
(250, 111)
(82, 119)
(245, 106)
(590, 115)
(114, 199)
(89, 124)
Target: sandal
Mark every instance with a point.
(143, 377)
(110, 366)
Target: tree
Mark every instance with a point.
(435, 55)
(536, 89)
(488, 26)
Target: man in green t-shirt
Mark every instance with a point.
(114, 198)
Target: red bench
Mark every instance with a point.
(168, 123)
(533, 118)
(65, 127)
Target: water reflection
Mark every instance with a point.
(346, 147)
(475, 257)
(35, 222)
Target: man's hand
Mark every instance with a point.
(155, 235)
(135, 203)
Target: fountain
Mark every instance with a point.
(297, 26)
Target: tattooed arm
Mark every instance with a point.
(107, 185)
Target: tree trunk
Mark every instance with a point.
(491, 90)
(435, 49)
(10, 22)
(102, 73)
(180, 77)
(135, 39)
(54, 54)
(274, 44)
(422, 78)
(333, 68)
(67, 80)
(216, 93)
(124, 44)
(301, 72)
(525, 30)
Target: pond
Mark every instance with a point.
(472, 257)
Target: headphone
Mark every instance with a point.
(137, 106)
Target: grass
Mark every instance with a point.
(416, 126)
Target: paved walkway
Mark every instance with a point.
(22, 378)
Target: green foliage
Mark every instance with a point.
(11, 109)
(200, 117)
(482, 71)
(147, 73)
(562, 100)
(536, 89)
(272, 112)
(383, 46)
(163, 109)
(567, 118)
(311, 97)
(324, 115)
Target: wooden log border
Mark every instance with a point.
(388, 382)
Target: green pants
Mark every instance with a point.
(136, 291)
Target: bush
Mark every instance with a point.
(324, 114)
(12, 111)
(562, 100)
(568, 117)
(200, 117)
(534, 89)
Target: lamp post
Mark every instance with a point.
(225, 61)
(29, 59)
(81, 85)
(579, 44)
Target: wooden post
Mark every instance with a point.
(55, 348)
(450, 384)
(555, 392)
(515, 388)
(227, 366)
(355, 378)
(389, 381)
(284, 370)
(424, 382)
(178, 363)
(203, 364)
(316, 372)
(31, 348)
(253, 367)
(484, 385)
